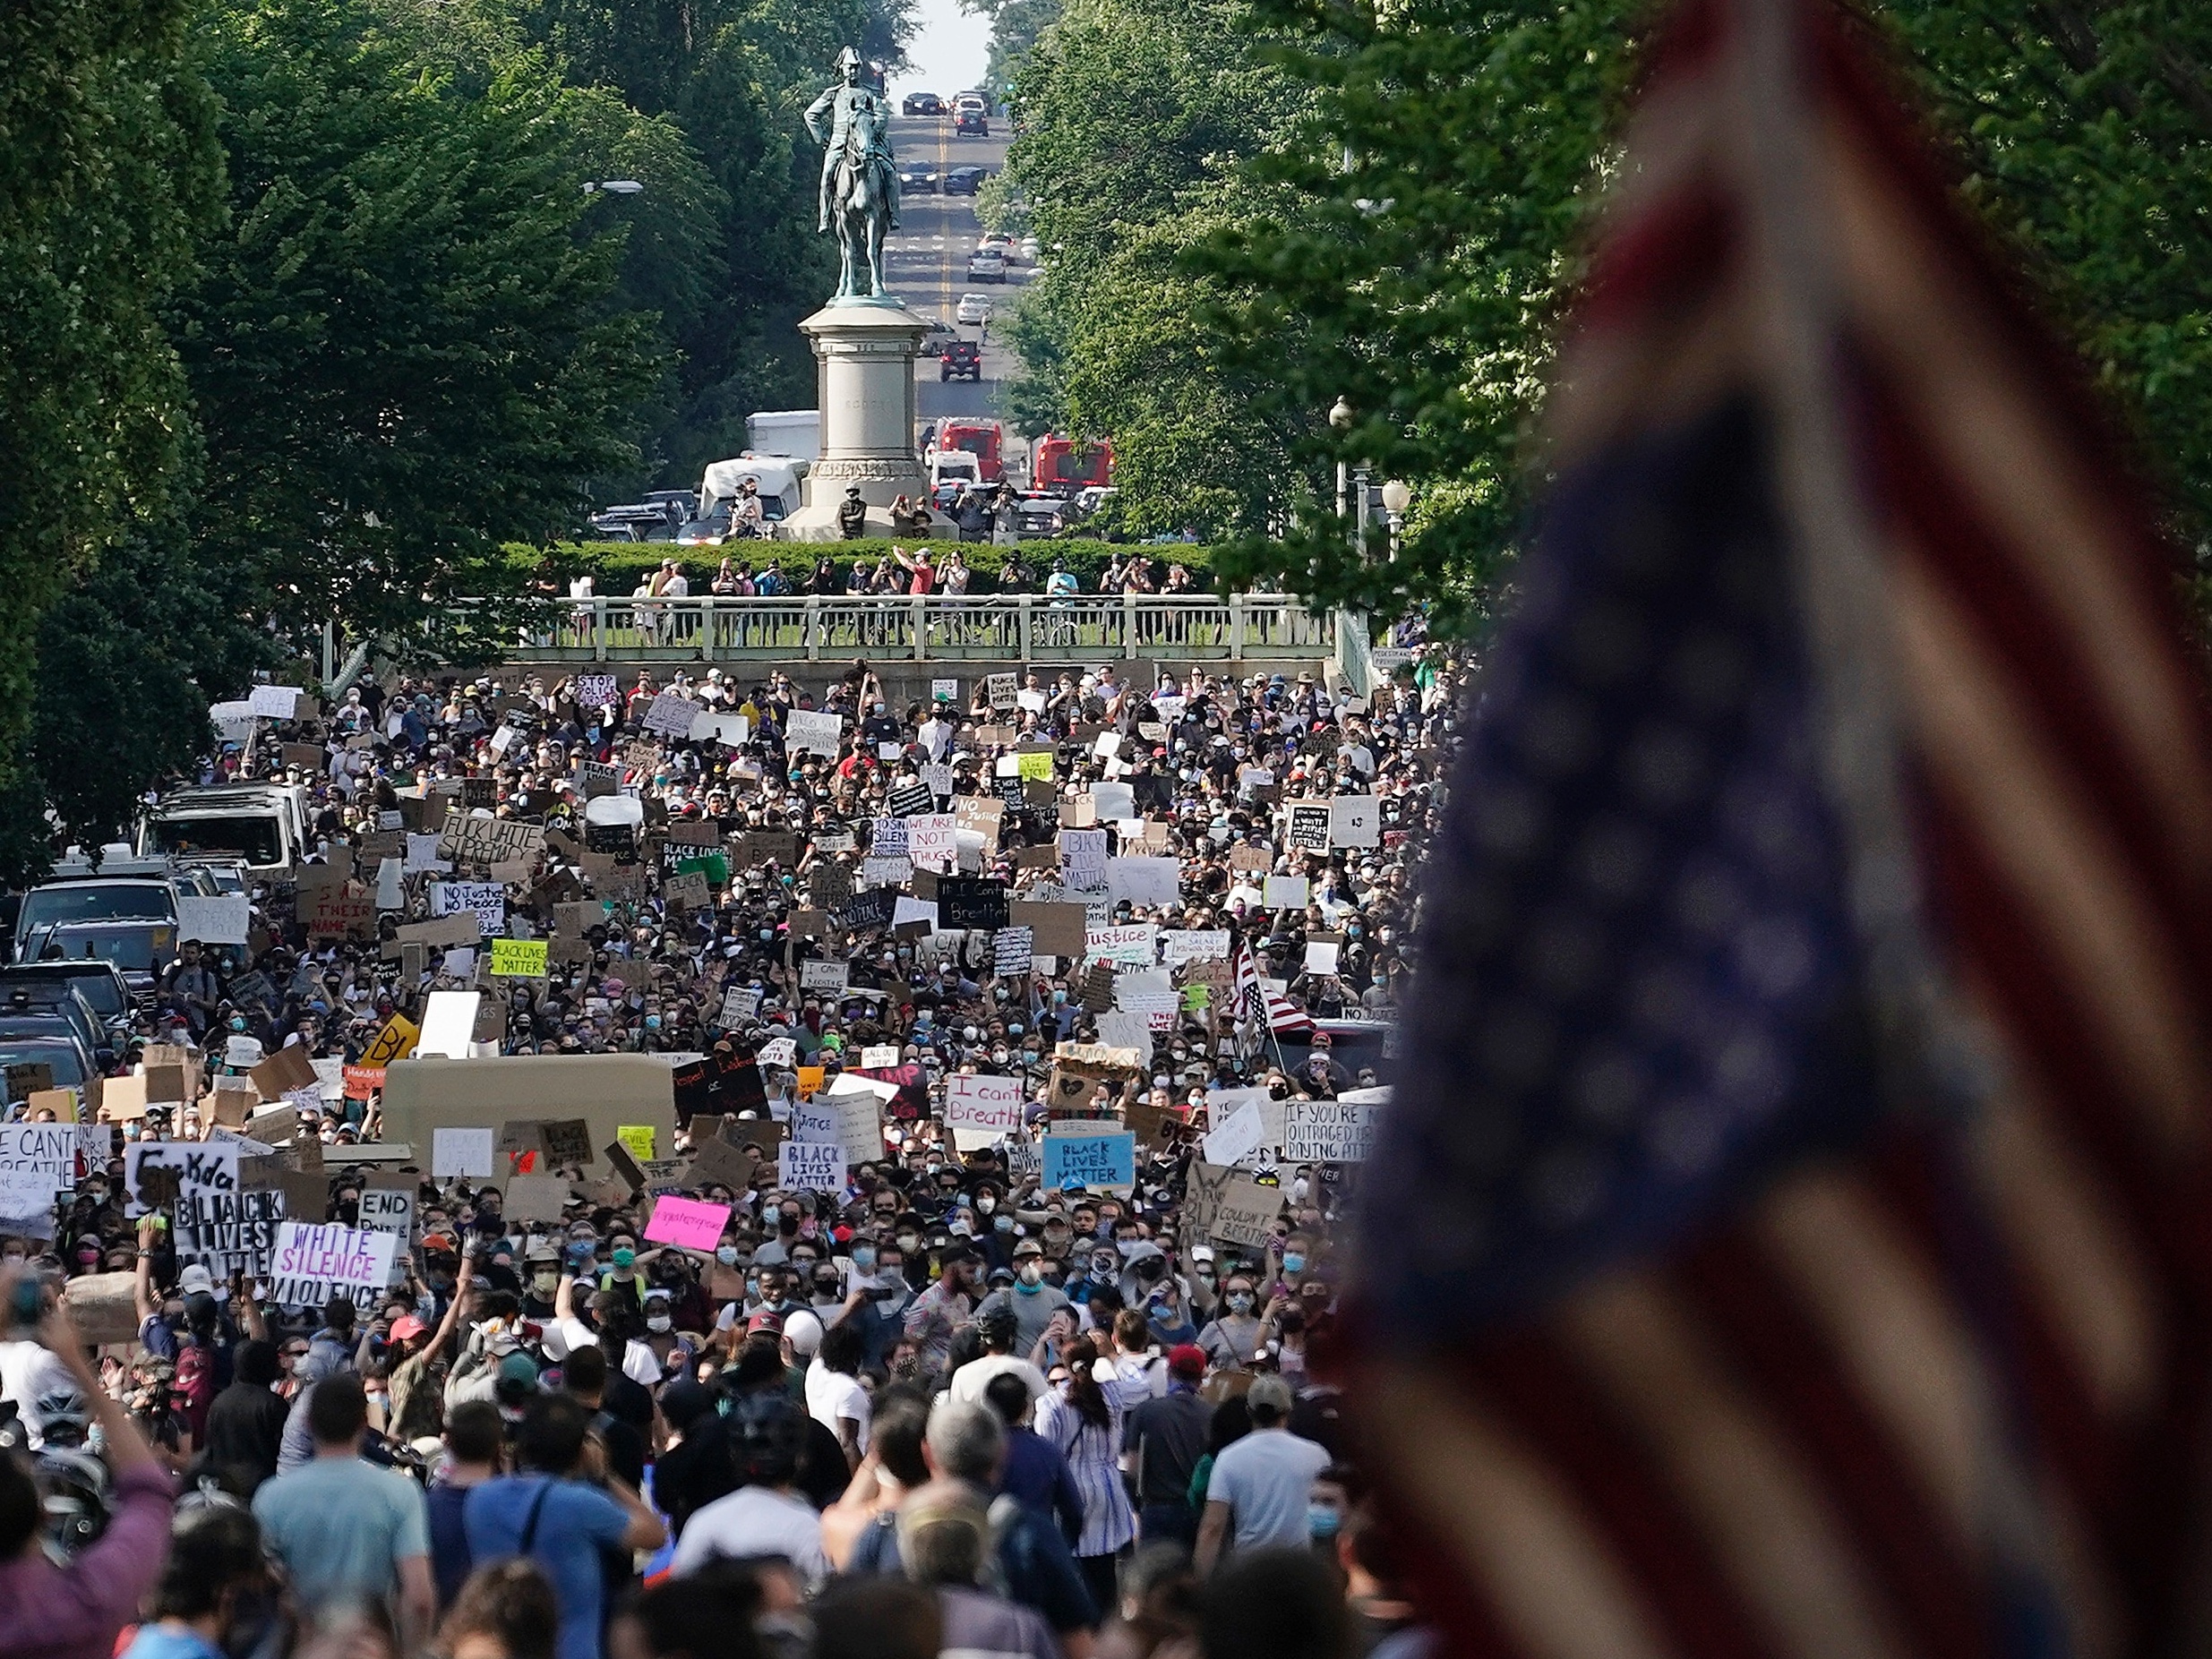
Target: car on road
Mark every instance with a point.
(922, 104)
(962, 360)
(1041, 515)
(974, 307)
(970, 123)
(965, 181)
(95, 982)
(712, 529)
(987, 265)
(918, 180)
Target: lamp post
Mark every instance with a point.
(1340, 422)
(1397, 496)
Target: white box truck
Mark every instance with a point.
(785, 431)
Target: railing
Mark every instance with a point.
(1000, 628)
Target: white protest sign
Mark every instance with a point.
(232, 722)
(814, 1121)
(1237, 1136)
(449, 1024)
(1194, 945)
(461, 1151)
(1114, 801)
(810, 1166)
(486, 899)
(219, 920)
(36, 1160)
(214, 1224)
(860, 1117)
(1284, 892)
(824, 976)
(1120, 1028)
(422, 855)
(1321, 956)
(1136, 943)
(386, 1210)
(731, 730)
(1146, 881)
(930, 841)
(1329, 1132)
(1082, 860)
(275, 702)
(780, 1052)
(991, 1103)
(312, 1260)
(808, 730)
(1355, 821)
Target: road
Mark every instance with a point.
(927, 262)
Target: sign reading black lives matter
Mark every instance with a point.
(212, 1222)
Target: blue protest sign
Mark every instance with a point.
(1090, 1161)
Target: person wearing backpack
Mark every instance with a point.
(561, 1509)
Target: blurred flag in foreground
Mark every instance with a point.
(1792, 1235)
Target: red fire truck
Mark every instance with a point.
(983, 439)
(1057, 464)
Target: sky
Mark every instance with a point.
(947, 50)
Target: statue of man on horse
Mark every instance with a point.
(860, 177)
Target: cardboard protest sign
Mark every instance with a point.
(387, 1205)
(1094, 1162)
(811, 1166)
(981, 814)
(479, 839)
(718, 1163)
(103, 1306)
(690, 891)
(1055, 929)
(283, 1072)
(566, 1139)
(626, 1168)
(459, 928)
(534, 1198)
(1001, 690)
(518, 959)
(1329, 1132)
(1245, 860)
(688, 1224)
(309, 1258)
(1244, 1213)
(346, 910)
(994, 1104)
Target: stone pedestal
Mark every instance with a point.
(865, 352)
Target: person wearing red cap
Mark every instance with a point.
(1161, 1441)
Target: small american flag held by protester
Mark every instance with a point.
(1797, 1242)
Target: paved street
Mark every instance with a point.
(927, 261)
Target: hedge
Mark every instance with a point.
(618, 567)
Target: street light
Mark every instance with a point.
(1340, 422)
(1397, 496)
(614, 187)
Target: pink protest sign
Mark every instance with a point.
(687, 1223)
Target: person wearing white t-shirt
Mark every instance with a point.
(765, 1516)
(1256, 1495)
(834, 1396)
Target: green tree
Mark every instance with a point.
(406, 349)
(108, 165)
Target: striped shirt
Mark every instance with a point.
(1092, 1451)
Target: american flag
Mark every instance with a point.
(1797, 1239)
(1261, 1010)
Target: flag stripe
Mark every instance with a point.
(1764, 1514)
(1984, 411)
(2094, 919)
(1499, 1503)
(1903, 1541)
(1545, 1393)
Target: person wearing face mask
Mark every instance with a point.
(1230, 1338)
(1030, 1300)
(876, 1306)
(541, 1280)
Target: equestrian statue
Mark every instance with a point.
(860, 177)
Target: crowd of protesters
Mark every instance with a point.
(942, 1407)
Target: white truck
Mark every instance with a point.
(263, 825)
(778, 476)
(785, 431)
(953, 466)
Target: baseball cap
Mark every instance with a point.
(195, 1280)
(1271, 1392)
(764, 1320)
(406, 1326)
(1187, 1359)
